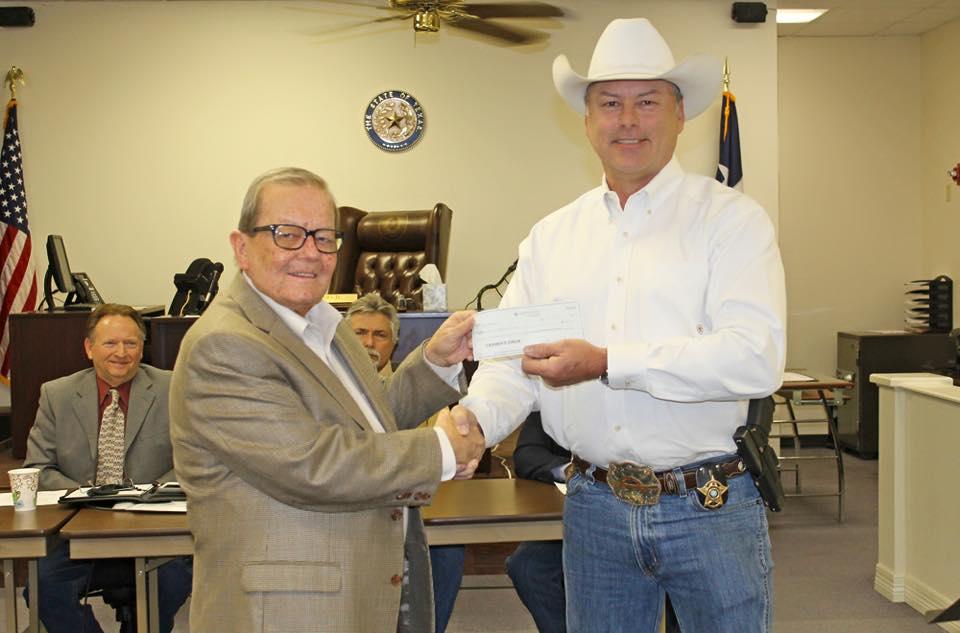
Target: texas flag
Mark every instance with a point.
(729, 168)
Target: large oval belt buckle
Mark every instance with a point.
(712, 487)
(634, 483)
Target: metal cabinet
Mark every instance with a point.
(860, 354)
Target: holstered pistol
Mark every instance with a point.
(634, 483)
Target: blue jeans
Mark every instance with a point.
(446, 565)
(62, 584)
(536, 569)
(620, 559)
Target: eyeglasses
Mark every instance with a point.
(291, 237)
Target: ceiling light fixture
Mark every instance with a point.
(798, 16)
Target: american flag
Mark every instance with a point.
(18, 275)
(729, 169)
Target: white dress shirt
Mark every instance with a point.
(317, 330)
(685, 289)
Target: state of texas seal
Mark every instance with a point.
(394, 120)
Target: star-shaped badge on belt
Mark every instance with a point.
(714, 493)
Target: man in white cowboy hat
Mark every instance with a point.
(681, 293)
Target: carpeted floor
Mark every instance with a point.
(824, 569)
(823, 579)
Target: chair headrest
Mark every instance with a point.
(400, 231)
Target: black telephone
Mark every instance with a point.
(196, 287)
(85, 291)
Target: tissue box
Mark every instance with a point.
(434, 298)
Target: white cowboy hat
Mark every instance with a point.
(633, 49)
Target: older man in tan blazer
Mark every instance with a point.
(303, 493)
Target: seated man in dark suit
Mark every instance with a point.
(536, 567)
(375, 322)
(103, 425)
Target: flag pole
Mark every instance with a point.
(726, 75)
(14, 75)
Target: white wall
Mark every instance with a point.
(143, 123)
(851, 173)
(941, 151)
(868, 131)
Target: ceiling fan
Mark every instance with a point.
(427, 16)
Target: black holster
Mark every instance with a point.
(753, 446)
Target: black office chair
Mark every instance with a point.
(123, 600)
(114, 582)
(196, 287)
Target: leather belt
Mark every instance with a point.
(667, 478)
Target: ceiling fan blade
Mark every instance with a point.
(373, 4)
(511, 34)
(512, 10)
(337, 29)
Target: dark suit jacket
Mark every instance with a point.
(295, 502)
(63, 440)
(536, 454)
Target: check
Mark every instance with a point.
(506, 331)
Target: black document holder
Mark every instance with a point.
(928, 305)
(159, 493)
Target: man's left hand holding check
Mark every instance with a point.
(565, 362)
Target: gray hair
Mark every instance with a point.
(373, 303)
(284, 175)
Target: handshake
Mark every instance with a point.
(449, 345)
(466, 436)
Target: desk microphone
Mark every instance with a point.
(210, 293)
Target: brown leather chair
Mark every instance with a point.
(385, 251)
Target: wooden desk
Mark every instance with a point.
(473, 511)
(821, 382)
(165, 334)
(27, 535)
(494, 511)
(829, 392)
(149, 538)
(43, 346)
(48, 345)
